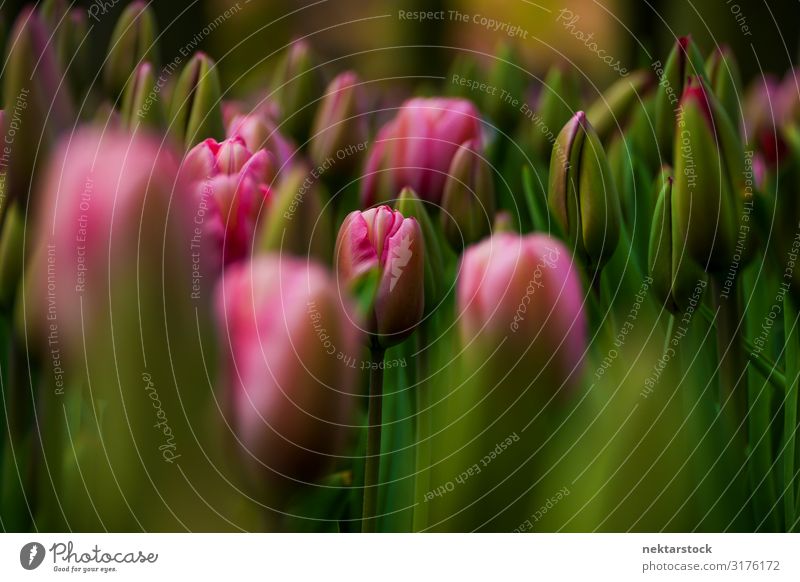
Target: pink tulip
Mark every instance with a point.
(260, 132)
(104, 203)
(380, 238)
(523, 292)
(290, 342)
(416, 148)
(231, 185)
(110, 304)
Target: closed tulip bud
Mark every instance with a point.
(684, 61)
(297, 86)
(468, 200)
(611, 110)
(410, 206)
(138, 107)
(382, 239)
(523, 292)
(260, 132)
(416, 148)
(558, 101)
(37, 107)
(726, 83)
(523, 335)
(706, 206)
(132, 41)
(72, 45)
(582, 194)
(297, 220)
(675, 274)
(230, 185)
(289, 389)
(195, 112)
(340, 128)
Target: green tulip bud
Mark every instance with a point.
(558, 101)
(36, 106)
(706, 205)
(468, 201)
(726, 82)
(684, 61)
(582, 194)
(410, 206)
(297, 222)
(195, 113)
(615, 105)
(137, 105)
(675, 274)
(297, 86)
(133, 41)
(340, 128)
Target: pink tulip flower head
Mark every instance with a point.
(381, 238)
(231, 185)
(416, 148)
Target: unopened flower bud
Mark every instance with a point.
(297, 86)
(705, 204)
(675, 274)
(468, 201)
(582, 194)
(381, 238)
(195, 113)
(36, 103)
(684, 61)
(340, 130)
(726, 83)
(133, 41)
(416, 148)
(289, 339)
(138, 107)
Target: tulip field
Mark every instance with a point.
(507, 293)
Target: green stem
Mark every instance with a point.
(732, 364)
(762, 363)
(423, 429)
(792, 355)
(369, 516)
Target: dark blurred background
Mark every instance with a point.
(369, 36)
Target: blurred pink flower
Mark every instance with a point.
(260, 132)
(289, 343)
(415, 148)
(381, 238)
(231, 185)
(523, 292)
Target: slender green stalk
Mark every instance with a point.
(732, 363)
(372, 471)
(423, 429)
(792, 355)
(766, 367)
